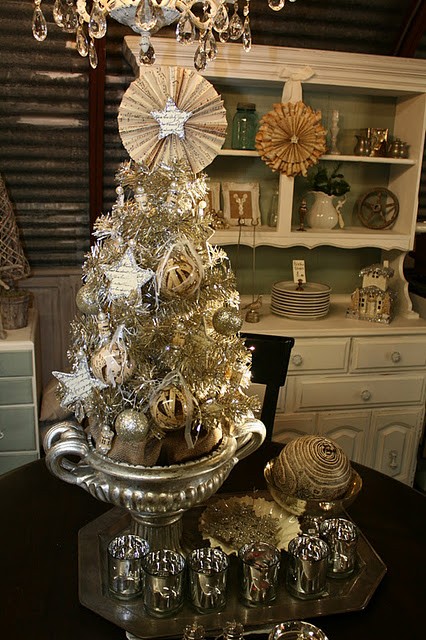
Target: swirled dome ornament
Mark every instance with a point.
(291, 138)
(131, 426)
(312, 467)
(172, 114)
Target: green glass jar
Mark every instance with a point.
(244, 126)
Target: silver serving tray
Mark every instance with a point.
(351, 594)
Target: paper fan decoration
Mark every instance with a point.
(170, 114)
(291, 138)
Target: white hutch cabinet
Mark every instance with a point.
(361, 383)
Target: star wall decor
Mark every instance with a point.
(126, 276)
(171, 120)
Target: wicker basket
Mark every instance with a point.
(14, 309)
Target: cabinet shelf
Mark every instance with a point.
(243, 153)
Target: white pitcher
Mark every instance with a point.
(323, 214)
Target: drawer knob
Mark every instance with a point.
(2, 435)
(366, 395)
(297, 359)
(396, 356)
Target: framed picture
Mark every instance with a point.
(213, 196)
(241, 202)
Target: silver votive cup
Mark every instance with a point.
(306, 574)
(259, 565)
(208, 571)
(341, 535)
(125, 555)
(164, 578)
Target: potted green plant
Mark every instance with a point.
(14, 302)
(326, 185)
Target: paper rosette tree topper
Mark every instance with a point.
(171, 114)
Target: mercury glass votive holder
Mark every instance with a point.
(164, 581)
(208, 572)
(341, 535)
(125, 555)
(259, 565)
(306, 573)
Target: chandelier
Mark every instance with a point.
(199, 21)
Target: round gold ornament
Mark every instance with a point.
(87, 299)
(180, 277)
(110, 365)
(169, 408)
(227, 321)
(291, 138)
(131, 426)
(312, 467)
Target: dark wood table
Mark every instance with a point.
(41, 517)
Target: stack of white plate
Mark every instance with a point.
(312, 302)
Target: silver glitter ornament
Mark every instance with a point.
(227, 321)
(131, 426)
(87, 299)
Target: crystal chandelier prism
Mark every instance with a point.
(200, 21)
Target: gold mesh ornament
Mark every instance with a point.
(291, 138)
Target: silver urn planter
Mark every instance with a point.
(156, 497)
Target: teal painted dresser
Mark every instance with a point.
(19, 393)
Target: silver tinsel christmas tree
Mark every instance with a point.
(158, 369)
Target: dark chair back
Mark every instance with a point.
(270, 358)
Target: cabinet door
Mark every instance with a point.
(349, 429)
(290, 426)
(393, 442)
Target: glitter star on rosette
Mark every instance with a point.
(172, 114)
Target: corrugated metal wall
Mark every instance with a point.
(44, 106)
(44, 137)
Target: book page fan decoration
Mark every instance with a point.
(172, 113)
(291, 138)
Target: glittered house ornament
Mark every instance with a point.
(374, 300)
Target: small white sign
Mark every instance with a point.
(299, 273)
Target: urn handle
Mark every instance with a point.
(62, 440)
(249, 436)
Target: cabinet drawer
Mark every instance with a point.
(7, 463)
(319, 355)
(388, 353)
(315, 393)
(16, 363)
(17, 428)
(16, 391)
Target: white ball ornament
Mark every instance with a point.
(131, 426)
(227, 321)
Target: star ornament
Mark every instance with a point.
(78, 385)
(126, 276)
(171, 120)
